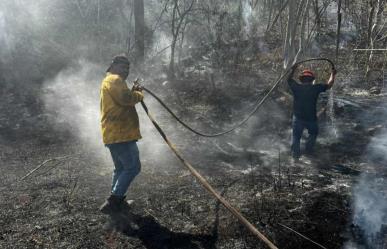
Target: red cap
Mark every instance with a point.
(307, 73)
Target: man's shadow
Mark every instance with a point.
(155, 236)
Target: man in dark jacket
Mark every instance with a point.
(305, 95)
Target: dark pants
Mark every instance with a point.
(126, 165)
(298, 127)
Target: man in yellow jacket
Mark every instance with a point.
(120, 130)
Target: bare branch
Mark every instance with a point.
(303, 236)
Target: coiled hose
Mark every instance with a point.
(259, 103)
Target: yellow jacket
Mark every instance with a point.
(119, 119)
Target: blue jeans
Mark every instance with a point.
(298, 127)
(127, 165)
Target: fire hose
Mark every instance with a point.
(195, 173)
(249, 115)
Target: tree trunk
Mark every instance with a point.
(279, 15)
(317, 17)
(178, 17)
(294, 16)
(302, 39)
(270, 15)
(338, 29)
(175, 34)
(139, 24)
(172, 62)
(370, 21)
(375, 21)
(288, 46)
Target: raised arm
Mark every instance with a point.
(291, 74)
(122, 95)
(331, 80)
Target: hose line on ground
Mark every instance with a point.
(259, 103)
(197, 175)
(207, 186)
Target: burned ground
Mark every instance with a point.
(210, 61)
(57, 206)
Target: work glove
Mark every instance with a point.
(137, 87)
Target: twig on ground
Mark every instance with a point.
(339, 209)
(42, 164)
(154, 217)
(303, 236)
(71, 192)
(49, 169)
(279, 170)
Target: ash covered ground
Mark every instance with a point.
(331, 199)
(210, 61)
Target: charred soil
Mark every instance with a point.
(57, 205)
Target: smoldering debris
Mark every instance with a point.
(370, 197)
(227, 53)
(370, 206)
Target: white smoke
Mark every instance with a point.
(247, 12)
(72, 99)
(370, 194)
(6, 39)
(162, 43)
(3, 32)
(370, 205)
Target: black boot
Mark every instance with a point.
(125, 205)
(111, 205)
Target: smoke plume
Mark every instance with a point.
(72, 99)
(370, 194)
